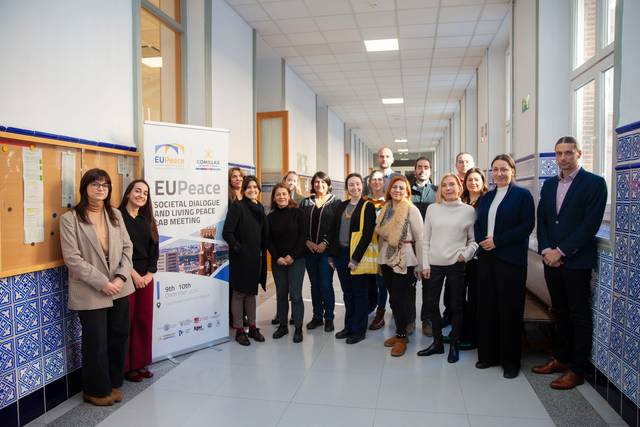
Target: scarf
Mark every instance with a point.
(392, 225)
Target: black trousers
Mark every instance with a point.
(105, 334)
(501, 293)
(399, 287)
(469, 326)
(454, 274)
(570, 292)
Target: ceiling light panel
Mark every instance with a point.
(391, 101)
(381, 45)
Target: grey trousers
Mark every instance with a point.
(242, 304)
(289, 287)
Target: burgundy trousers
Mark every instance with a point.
(141, 333)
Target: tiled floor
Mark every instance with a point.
(324, 381)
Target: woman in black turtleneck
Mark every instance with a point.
(286, 244)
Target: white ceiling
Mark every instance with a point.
(441, 44)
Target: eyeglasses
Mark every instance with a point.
(98, 185)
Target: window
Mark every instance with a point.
(592, 88)
(161, 68)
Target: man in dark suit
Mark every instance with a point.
(569, 216)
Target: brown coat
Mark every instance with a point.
(87, 264)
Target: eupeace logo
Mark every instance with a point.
(170, 156)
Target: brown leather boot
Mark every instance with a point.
(116, 395)
(99, 401)
(567, 381)
(378, 320)
(399, 347)
(389, 342)
(551, 367)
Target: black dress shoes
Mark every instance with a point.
(454, 353)
(280, 332)
(436, 347)
(297, 335)
(483, 365)
(328, 325)
(343, 334)
(314, 323)
(354, 339)
(256, 335)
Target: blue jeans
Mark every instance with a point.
(321, 278)
(356, 295)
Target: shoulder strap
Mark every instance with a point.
(364, 205)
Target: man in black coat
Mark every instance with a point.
(569, 216)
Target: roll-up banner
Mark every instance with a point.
(186, 168)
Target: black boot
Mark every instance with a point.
(454, 353)
(328, 325)
(280, 332)
(297, 335)
(436, 347)
(256, 335)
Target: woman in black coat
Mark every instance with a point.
(245, 231)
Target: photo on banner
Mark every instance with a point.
(186, 168)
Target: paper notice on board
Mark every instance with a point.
(33, 196)
(68, 178)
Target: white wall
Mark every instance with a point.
(629, 107)
(335, 146)
(196, 97)
(554, 65)
(269, 78)
(232, 82)
(300, 101)
(67, 68)
(524, 76)
(471, 118)
(483, 113)
(322, 137)
(496, 56)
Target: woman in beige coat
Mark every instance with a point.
(97, 251)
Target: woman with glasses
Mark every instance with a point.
(399, 227)
(97, 252)
(505, 221)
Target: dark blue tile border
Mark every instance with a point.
(55, 393)
(31, 406)
(624, 406)
(628, 166)
(628, 128)
(9, 415)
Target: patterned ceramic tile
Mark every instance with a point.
(616, 340)
(602, 358)
(634, 185)
(64, 276)
(28, 347)
(25, 286)
(548, 167)
(605, 272)
(74, 356)
(635, 147)
(618, 310)
(605, 253)
(26, 315)
(602, 329)
(624, 148)
(65, 302)
(622, 248)
(620, 278)
(634, 218)
(633, 318)
(5, 292)
(622, 186)
(50, 281)
(604, 299)
(634, 250)
(73, 328)
(30, 377)
(54, 366)
(52, 337)
(632, 351)
(622, 217)
(7, 355)
(6, 322)
(630, 382)
(615, 370)
(633, 286)
(51, 309)
(8, 389)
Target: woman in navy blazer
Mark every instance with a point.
(505, 220)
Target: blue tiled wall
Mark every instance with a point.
(39, 338)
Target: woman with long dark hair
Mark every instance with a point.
(319, 211)
(97, 252)
(475, 186)
(235, 177)
(400, 228)
(505, 220)
(286, 245)
(137, 212)
(245, 231)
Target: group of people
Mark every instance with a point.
(384, 238)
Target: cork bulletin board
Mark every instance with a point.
(17, 257)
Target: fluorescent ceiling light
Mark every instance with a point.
(400, 140)
(393, 100)
(403, 150)
(381, 45)
(153, 61)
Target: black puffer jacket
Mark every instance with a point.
(319, 222)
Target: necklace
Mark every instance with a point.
(348, 212)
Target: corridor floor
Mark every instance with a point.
(324, 381)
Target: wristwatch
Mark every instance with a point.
(124, 278)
